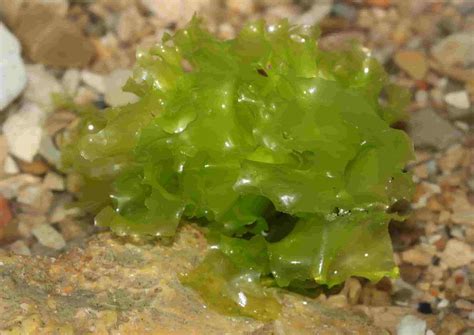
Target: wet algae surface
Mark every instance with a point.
(283, 154)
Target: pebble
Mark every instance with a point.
(12, 69)
(412, 62)
(49, 237)
(23, 131)
(353, 289)
(51, 39)
(36, 197)
(114, 95)
(458, 99)
(464, 304)
(417, 256)
(10, 166)
(41, 86)
(85, 96)
(421, 97)
(428, 129)
(341, 40)
(443, 304)
(337, 301)
(94, 80)
(9, 187)
(70, 81)
(456, 49)
(411, 325)
(457, 254)
(178, 12)
(463, 217)
(54, 182)
(49, 151)
(3, 150)
(315, 14)
(5, 212)
(458, 104)
(37, 167)
(245, 7)
(20, 248)
(130, 25)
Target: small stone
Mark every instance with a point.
(428, 129)
(10, 166)
(458, 104)
(452, 158)
(417, 256)
(443, 304)
(94, 80)
(464, 304)
(59, 120)
(457, 254)
(49, 237)
(338, 301)
(70, 81)
(341, 40)
(54, 182)
(315, 14)
(9, 187)
(411, 325)
(5, 212)
(41, 86)
(353, 289)
(458, 99)
(425, 308)
(12, 69)
(85, 96)
(175, 12)
(371, 296)
(421, 97)
(23, 131)
(49, 151)
(412, 62)
(72, 229)
(130, 25)
(3, 151)
(114, 95)
(410, 273)
(37, 167)
(245, 7)
(20, 248)
(51, 39)
(464, 217)
(36, 197)
(456, 49)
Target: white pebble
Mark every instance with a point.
(70, 81)
(41, 86)
(94, 80)
(10, 166)
(49, 237)
(114, 95)
(458, 99)
(411, 325)
(23, 131)
(12, 69)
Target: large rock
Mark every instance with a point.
(112, 286)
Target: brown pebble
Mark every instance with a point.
(410, 273)
(38, 167)
(52, 40)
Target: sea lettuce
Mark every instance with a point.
(282, 151)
